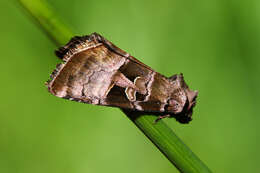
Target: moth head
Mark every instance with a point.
(182, 99)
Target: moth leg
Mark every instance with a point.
(161, 117)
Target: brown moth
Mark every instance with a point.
(95, 71)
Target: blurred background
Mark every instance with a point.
(214, 43)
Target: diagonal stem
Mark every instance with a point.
(47, 20)
(160, 134)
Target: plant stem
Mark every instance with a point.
(160, 134)
(47, 20)
(169, 144)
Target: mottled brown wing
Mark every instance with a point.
(97, 72)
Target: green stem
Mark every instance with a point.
(169, 144)
(47, 20)
(160, 134)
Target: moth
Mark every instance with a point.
(95, 71)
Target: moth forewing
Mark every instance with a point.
(95, 71)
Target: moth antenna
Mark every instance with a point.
(161, 117)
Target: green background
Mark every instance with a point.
(214, 43)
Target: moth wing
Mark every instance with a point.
(88, 75)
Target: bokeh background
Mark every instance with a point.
(216, 44)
